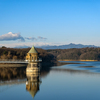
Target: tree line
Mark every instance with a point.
(76, 54)
(20, 54)
(52, 55)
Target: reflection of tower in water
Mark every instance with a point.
(33, 71)
(33, 79)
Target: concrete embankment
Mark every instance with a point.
(43, 64)
(13, 64)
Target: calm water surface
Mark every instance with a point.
(66, 82)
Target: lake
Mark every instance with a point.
(65, 82)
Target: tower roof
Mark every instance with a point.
(33, 50)
(33, 93)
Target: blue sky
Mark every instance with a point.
(49, 22)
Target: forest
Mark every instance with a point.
(20, 54)
(76, 54)
(52, 55)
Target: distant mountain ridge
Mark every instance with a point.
(71, 45)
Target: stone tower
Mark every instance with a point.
(32, 55)
(33, 61)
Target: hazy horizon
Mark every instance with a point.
(47, 45)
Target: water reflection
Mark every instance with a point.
(12, 73)
(33, 78)
(58, 83)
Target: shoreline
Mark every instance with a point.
(77, 60)
(44, 64)
(12, 65)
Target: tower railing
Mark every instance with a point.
(12, 61)
(39, 60)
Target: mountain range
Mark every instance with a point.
(71, 45)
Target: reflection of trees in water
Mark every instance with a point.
(44, 72)
(12, 73)
(45, 69)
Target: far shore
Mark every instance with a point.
(76, 60)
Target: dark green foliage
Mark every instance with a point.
(12, 73)
(77, 54)
(5, 52)
(12, 53)
(3, 47)
(52, 55)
